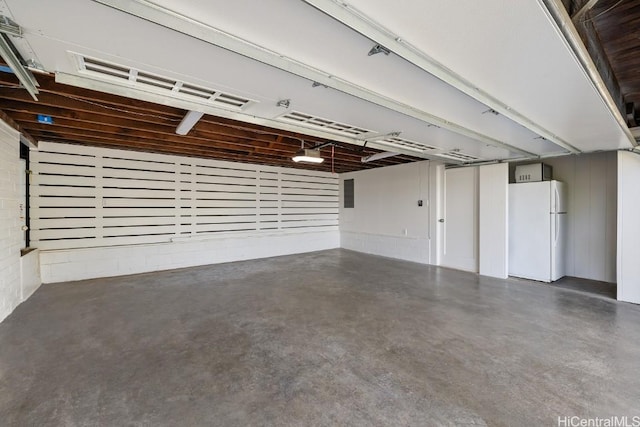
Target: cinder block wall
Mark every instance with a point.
(10, 232)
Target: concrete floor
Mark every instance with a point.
(326, 338)
(593, 287)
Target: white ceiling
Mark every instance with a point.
(509, 55)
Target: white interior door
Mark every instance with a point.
(460, 219)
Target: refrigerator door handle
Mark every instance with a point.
(557, 232)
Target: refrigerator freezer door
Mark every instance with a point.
(558, 248)
(530, 230)
(558, 197)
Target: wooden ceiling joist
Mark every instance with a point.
(82, 116)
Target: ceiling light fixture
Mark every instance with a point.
(189, 121)
(308, 155)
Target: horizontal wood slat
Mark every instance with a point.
(79, 181)
(57, 169)
(70, 203)
(109, 199)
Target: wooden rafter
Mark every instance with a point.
(82, 116)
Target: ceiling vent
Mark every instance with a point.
(456, 155)
(406, 144)
(108, 71)
(320, 123)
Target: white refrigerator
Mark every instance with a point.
(537, 230)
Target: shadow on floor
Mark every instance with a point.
(590, 287)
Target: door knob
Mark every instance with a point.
(441, 220)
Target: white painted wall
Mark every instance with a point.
(30, 279)
(386, 219)
(592, 187)
(12, 291)
(386, 204)
(493, 220)
(628, 227)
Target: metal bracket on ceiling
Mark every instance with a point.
(324, 145)
(379, 49)
(284, 103)
(378, 156)
(375, 136)
(8, 26)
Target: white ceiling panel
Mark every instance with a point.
(512, 50)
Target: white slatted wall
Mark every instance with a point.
(90, 197)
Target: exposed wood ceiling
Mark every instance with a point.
(618, 26)
(82, 116)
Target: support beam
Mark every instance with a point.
(188, 122)
(583, 10)
(559, 14)
(378, 156)
(590, 37)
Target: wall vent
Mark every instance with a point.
(320, 123)
(406, 144)
(109, 71)
(349, 193)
